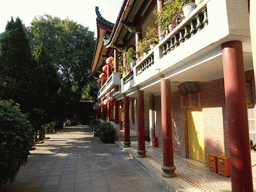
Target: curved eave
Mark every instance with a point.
(118, 25)
(103, 27)
(132, 11)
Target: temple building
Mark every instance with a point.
(188, 87)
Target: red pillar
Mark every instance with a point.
(116, 60)
(140, 124)
(159, 10)
(138, 37)
(126, 122)
(116, 109)
(102, 82)
(166, 109)
(108, 72)
(109, 111)
(238, 133)
(101, 113)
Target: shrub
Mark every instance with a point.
(94, 126)
(15, 140)
(107, 133)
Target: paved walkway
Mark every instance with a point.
(191, 175)
(73, 160)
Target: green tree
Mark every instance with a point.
(16, 66)
(71, 48)
(15, 140)
(30, 80)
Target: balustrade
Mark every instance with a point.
(186, 31)
(128, 77)
(149, 61)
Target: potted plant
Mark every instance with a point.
(170, 15)
(130, 57)
(143, 46)
(188, 7)
(152, 37)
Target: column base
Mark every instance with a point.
(127, 144)
(168, 172)
(141, 153)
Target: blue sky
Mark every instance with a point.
(80, 11)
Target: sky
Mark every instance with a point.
(80, 11)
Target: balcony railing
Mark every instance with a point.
(145, 64)
(185, 31)
(197, 39)
(112, 81)
(128, 77)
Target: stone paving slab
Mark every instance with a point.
(191, 175)
(74, 160)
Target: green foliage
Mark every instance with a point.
(71, 48)
(151, 38)
(15, 140)
(95, 126)
(152, 35)
(16, 66)
(130, 56)
(105, 131)
(170, 13)
(144, 46)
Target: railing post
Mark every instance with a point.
(122, 84)
(158, 54)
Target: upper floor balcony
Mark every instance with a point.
(111, 82)
(192, 51)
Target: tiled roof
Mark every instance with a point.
(101, 19)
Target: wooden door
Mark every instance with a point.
(196, 134)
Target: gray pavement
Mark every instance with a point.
(74, 160)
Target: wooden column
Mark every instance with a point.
(102, 82)
(102, 113)
(108, 71)
(127, 142)
(108, 112)
(117, 109)
(140, 124)
(237, 119)
(138, 37)
(116, 60)
(166, 109)
(160, 4)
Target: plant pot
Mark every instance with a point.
(155, 142)
(152, 46)
(132, 64)
(198, 2)
(162, 37)
(188, 8)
